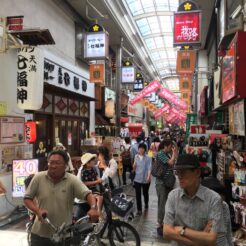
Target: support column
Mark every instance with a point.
(118, 87)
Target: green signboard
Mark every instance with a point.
(190, 120)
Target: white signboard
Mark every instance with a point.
(30, 79)
(60, 73)
(128, 75)
(135, 110)
(96, 45)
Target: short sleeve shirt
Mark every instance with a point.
(195, 212)
(89, 175)
(57, 199)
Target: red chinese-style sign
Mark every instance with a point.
(187, 28)
(31, 131)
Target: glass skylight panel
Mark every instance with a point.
(135, 7)
(143, 26)
(168, 40)
(163, 54)
(159, 42)
(148, 6)
(150, 43)
(154, 25)
(155, 56)
(171, 54)
(162, 5)
(174, 5)
(159, 65)
(165, 23)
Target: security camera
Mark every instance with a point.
(236, 12)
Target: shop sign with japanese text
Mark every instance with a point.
(97, 72)
(187, 28)
(186, 61)
(128, 74)
(96, 43)
(30, 78)
(64, 75)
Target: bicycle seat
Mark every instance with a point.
(83, 228)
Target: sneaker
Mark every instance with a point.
(160, 231)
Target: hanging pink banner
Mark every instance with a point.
(153, 86)
(160, 112)
(171, 97)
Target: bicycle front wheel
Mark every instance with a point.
(122, 233)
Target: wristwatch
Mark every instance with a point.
(182, 232)
(94, 206)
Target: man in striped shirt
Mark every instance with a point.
(194, 213)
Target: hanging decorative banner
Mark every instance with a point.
(171, 97)
(185, 83)
(96, 44)
(97, 73)
(186, 61)
(153, 86)
(30, 78)
(30, 131)
(160, 112)
(187, 25)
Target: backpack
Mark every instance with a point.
(158, 169)
(126, 157)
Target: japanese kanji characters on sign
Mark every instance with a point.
(187, 28)
(96, 45)
(186, 60)
(128, 74)
(30, 78)
(97, 72)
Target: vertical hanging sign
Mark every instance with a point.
(139, 82)
(187, 25)
(128, 73)
(96, 43)
(30, 78)
(97, 73)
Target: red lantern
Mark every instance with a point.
(31, 131)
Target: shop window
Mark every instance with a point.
(60, 105)
(84, 109)
(73, 107)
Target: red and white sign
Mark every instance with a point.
(30, 131)
(160, 112)
(187, 28)
(171, 97)
(153, 86)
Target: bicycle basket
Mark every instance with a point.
(120, 206)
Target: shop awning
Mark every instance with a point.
(101, 121)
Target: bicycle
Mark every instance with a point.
(84, 234)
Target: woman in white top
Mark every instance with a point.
(108, 167)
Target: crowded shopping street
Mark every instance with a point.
(122, 122)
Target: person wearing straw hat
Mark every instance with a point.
(193, 213)
(88, 174)
(70, 168)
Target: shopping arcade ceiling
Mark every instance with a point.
(146, 26)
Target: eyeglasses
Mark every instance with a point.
(182, 172)
(55, 163)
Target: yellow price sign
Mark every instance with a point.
(3, 108)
